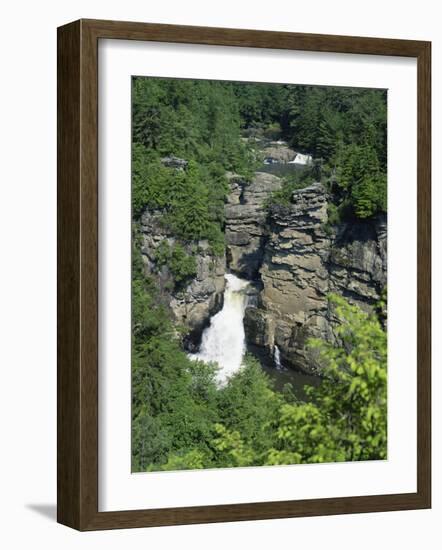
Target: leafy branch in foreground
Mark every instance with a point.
(345, 421)
(348, 418)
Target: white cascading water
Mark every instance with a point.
(223, 341)
(277, 357)
(301, 159)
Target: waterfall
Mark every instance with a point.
(301, 159)
(277, 357)
(223, 341)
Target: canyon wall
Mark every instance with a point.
(294, 258)
(246, 222)
(303, 261)
(193, 303)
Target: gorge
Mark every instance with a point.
(258, 259)
(268, 293)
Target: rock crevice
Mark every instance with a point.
(246, 222)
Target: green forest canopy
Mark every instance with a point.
(181, 418)
(201, 121)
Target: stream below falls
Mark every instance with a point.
(224, 342)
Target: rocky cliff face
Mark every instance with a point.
(293, 257)
(194, 303)
(246, 222)
(279, 151)
(301, 264)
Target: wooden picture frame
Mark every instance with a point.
(78, 274)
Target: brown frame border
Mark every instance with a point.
(77, 224)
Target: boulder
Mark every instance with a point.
(279, 152)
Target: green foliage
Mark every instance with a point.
(173, 398)
(243, 409)
(230, 449)
(151, 181)
(181, 265)
(253, 425)
(322, 120)
(305, 435)
(344, 128)
(248, 403)
(198, 121)
(262, 105)
(381, 307)
(181, 417)
(348, 418)
(190, 216)
(363, 181)
(195, 459)
(354, 391)
(193, 119)
(333, 214)
(190, 209)
(298, 180)
(172, 406)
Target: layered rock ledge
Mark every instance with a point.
(192, 305)
(303, 262)
(246, 222)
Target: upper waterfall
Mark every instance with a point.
(223, 341)
(302, 159)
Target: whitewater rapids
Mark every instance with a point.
(223, 341)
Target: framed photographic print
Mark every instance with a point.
(244, 275)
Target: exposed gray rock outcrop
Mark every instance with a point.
(194, 303)
(294, 258)
(246, 218)
(174, 162)
(302, 263)
(279, 151)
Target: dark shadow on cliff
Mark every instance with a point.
(359, 230)
(250, 264)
